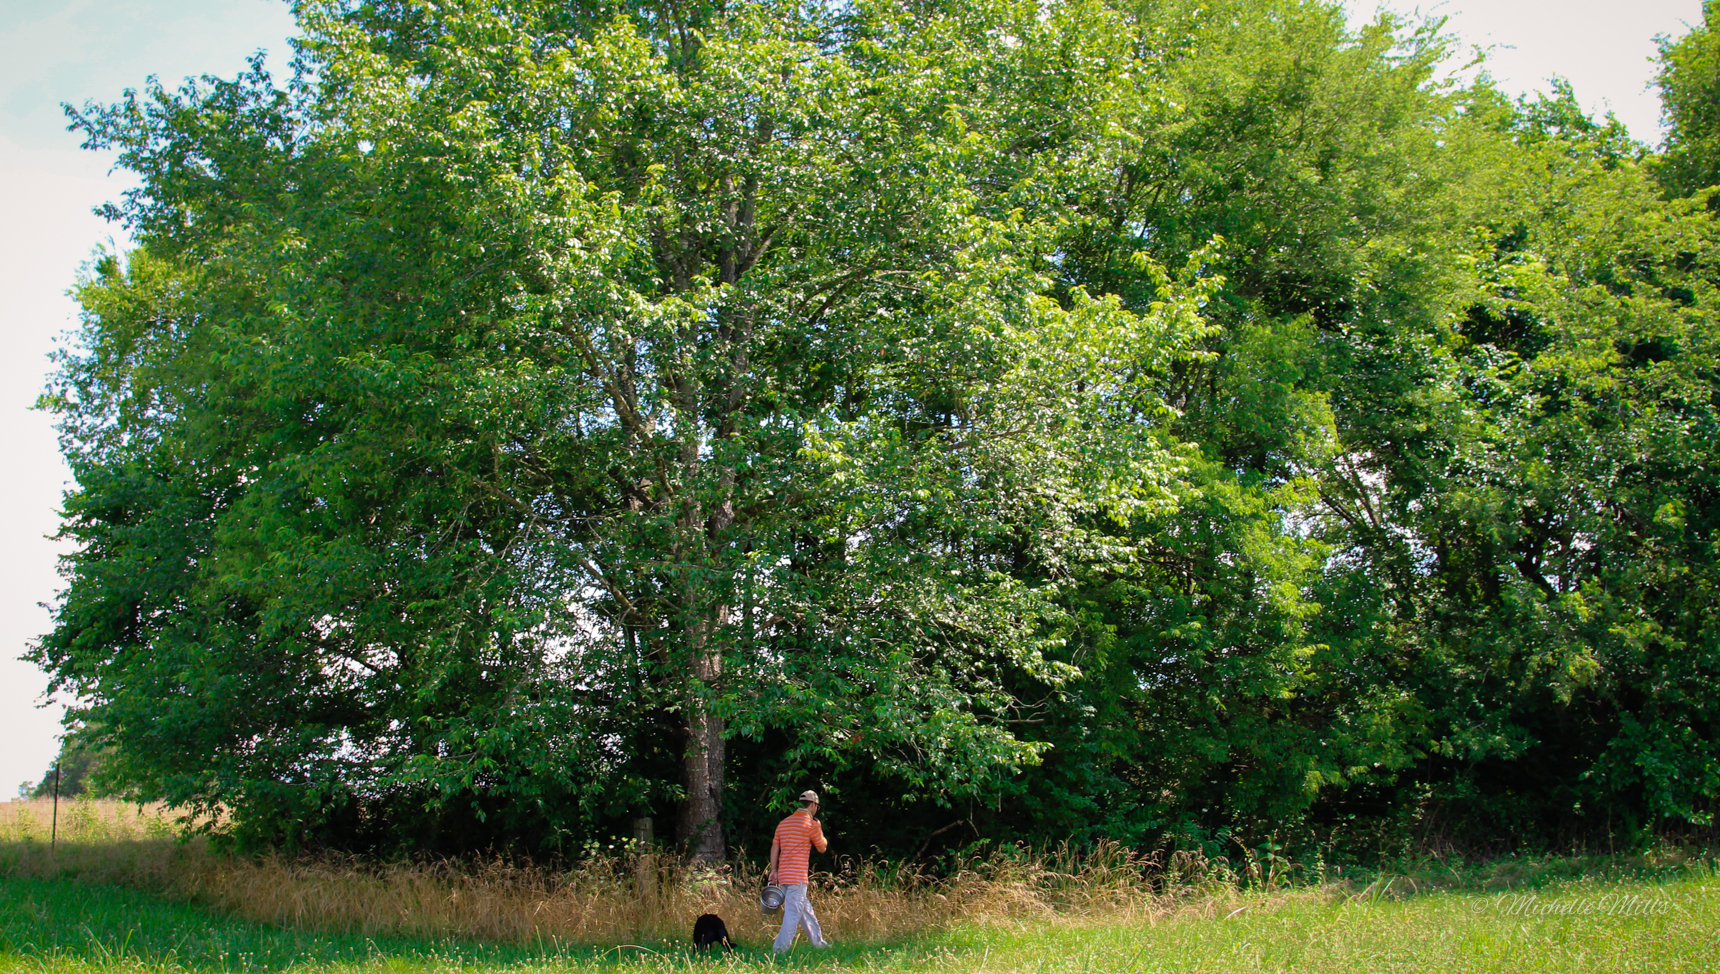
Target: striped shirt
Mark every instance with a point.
(795, 837)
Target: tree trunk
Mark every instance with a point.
(700, 829)
(700, 826)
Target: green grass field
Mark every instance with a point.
(1665, 924)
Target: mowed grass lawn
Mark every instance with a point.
(1665, 925)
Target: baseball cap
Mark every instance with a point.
(809, 796)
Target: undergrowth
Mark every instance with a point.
(644, 897)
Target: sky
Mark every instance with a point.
(54, 51)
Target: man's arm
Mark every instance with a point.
(775, 854)
(818, 837)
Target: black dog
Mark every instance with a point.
(710, 931)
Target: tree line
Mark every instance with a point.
(1164, 421)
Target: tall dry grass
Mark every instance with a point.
(603, 900)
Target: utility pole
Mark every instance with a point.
(54, 828)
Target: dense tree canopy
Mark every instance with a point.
(1690, 93)
(1155, 420)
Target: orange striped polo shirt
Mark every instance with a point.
(795, 837)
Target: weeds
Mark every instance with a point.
(604, 899)
(640, 898)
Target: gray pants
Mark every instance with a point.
(797, 912)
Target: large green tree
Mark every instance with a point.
(527, 399)
(1563, 642)
(1229, 685)
(1454, 375)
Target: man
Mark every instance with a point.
(790, 853)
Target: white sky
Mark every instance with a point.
(54, 51)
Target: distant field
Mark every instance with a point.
(121, 896)
(35, 820)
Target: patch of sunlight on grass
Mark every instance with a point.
(1583, 925)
